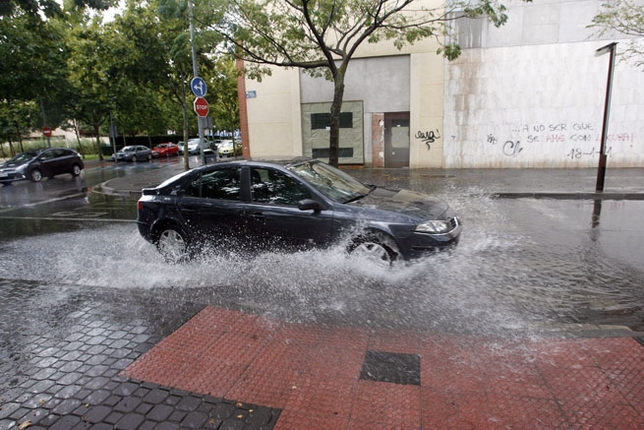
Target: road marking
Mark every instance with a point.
(44, 202)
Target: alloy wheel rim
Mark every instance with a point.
(172, 245)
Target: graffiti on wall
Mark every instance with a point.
(574, 137)
(428, 137)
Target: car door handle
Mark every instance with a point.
(257, 215)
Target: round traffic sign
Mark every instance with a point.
(201, 106)
(46, 131)
(198, 87)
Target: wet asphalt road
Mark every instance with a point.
(523, 265)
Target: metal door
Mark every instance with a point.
(397, 139)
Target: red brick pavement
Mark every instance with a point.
(313, 373)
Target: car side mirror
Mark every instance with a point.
(309, 204)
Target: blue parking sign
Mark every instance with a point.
(198, 87)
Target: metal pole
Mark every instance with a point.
(195, 72)
(601, 169)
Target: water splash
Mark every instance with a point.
(503, 278)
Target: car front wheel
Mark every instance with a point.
(376, 247)
(76, 170)
(134, 159)
(173, 244)
(36, 175)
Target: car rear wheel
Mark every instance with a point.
(36, 175)
(376, 247)
(76, 170)
(173, 244)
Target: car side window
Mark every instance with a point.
(222, 184)
(274, 187)
(47, 155)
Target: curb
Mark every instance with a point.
(570, 196)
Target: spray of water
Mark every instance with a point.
(498, 281)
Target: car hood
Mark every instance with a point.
(405, 202)
(13, 164)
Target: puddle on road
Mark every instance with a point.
(501, 279)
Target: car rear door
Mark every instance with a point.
(212, 209)
(273, 217)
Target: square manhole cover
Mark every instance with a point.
(391, 367)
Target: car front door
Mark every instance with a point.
(273, 217)
(212, 209)
(52, 162)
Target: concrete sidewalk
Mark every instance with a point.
(620, 184)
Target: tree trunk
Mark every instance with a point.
(98, 141)
(336, 108)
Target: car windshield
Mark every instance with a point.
(332, 182)
(23, 156)
(128, 148)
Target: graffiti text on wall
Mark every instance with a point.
(579, 153)
(512, 148)
(563, 132)
(579, 134)
(428, 137)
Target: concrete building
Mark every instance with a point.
(529, 94)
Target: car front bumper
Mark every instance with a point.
(419, 244)
(11, 175)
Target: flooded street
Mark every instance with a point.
(523, 267)
(86, 302)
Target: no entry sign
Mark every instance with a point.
(201, 106)
(46, 131)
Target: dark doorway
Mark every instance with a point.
(397, 139)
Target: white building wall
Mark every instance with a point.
(531, 94)
(274, 125)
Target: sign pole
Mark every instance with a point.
(196, 75)
(601, 169)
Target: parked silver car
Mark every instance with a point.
(133, 153)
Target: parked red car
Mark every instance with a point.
(165, 150)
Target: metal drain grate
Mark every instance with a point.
(391, 367)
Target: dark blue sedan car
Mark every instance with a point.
(293, 205)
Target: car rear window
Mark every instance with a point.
(223, 184)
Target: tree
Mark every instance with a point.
(224, 101)
(94, 94)
(33, 69)
(625, 17)
(322, 36)
(49, 8)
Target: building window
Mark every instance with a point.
(322, 121)
(324, 152)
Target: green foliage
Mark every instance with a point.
(623, 18)
(49, 8)
(75, 71)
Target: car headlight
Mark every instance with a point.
(435, 226)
